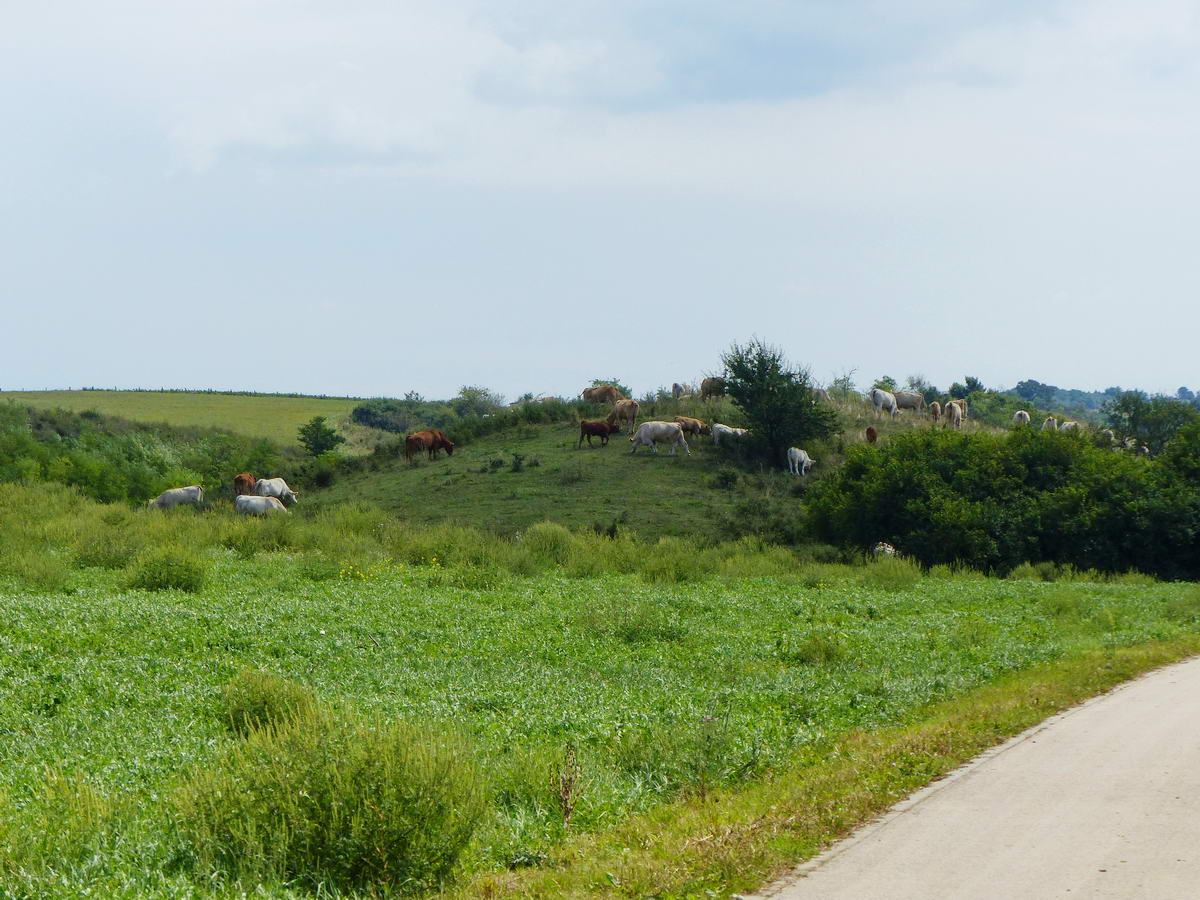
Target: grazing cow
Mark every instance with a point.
(909, 400)
(798, 461)
(712, 387)
(953, 413)
(935, 411)
(1051, 424)
(590, 430)
(243, 484)
(883, 549)
(692, 426)
(1106, 438)
(624, 411)
(249, 505)
(184, 496)
(730, 435)
(1069, 426)
(275, 487)
(429, 442)
(651, 434)
(1020, 417)
(601, 393)
(881, 400)
(872, 434)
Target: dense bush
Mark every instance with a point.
(325, 800)
(168, 568)
(993, 502)
(256, 699)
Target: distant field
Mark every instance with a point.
(257, 415)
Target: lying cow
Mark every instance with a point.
(251, 505)
(595, 429)
(692, 426)
(651, 434)
(184, 496)
(798, 461)
(275, 487)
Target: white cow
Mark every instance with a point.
(881, 400)
(651, 434)
(820, 394)
(724, 431)
(1069, 426)
(798, 461)
(250, 505)
(184, 496)
(275, 487)
(953, 414)
(1051, 424)
(1020, 417)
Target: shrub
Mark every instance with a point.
(821, 647)
(167, 568)
(38, 569)
(891, 573)
(107, 550)
(255, 699)
(327, 801)
(548, 541)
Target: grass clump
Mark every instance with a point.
(326, 800)
(254, 699)
(167, 568)
(891, 573)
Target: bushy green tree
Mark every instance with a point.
(316, 437)
(885, 383)
(776, 399)
(473, 400)
(1152, 421)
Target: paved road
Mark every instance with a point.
(1101, 801)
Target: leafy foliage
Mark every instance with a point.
(316, 437)
(776, 399)
(1152, 421)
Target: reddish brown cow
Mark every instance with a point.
(872, 434)
(712, 387)
(429, 441)
(692, 426)
(596, 429)
(243, 484)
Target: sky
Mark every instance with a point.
(368, 198)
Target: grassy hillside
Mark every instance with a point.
(256, 415)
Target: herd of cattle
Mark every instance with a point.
(262, 496)
(251, 496)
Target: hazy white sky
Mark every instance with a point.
(370, 197)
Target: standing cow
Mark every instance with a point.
(243, 484)
(935, 411)
(712, 387)
(724, 432)
(624, 411)
(1020, 417)
(953, 414)
(184, 496)
(1051, 424)
(910, 400)
(883, 400)
(798, 461)
(692, 426)
(651, 434)
(275, 487)
(590, 430)
(248, 505)
(872, 434)
(601, 393)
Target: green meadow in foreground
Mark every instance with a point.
(195, 705)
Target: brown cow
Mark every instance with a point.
(712, 387)
(872, 434)
(935, 411)
(601, 393)
(429, 441)
(692, 426)
(624, 410)
(243, 484)
(596, 429)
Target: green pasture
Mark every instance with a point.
(665, 672)
(276, 417)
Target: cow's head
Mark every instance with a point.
(705, 429)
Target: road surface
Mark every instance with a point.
(1100, 801)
